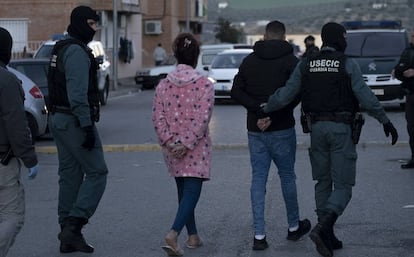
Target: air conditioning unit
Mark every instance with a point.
(153, 27)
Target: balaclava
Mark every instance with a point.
(6, 44)
(333, 35)
(79, 27)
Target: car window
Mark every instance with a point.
(207, 58)
(45, 51)
(228, 61)
(375, 44)
(37, 73)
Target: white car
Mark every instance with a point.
(34, 105)
(223, 69)
(98, 51)
(149, 77)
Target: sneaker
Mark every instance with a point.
(408, 165)
(260, 244)
(304, 227)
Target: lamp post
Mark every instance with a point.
(115, 45)
(187, 15)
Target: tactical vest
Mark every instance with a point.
(326, 86)
(57, 79)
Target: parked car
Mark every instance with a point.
(151, 76)
(98, 51)
(377, 46)
(223, 69)
(34, 105)
(208, 52)
(36, 70)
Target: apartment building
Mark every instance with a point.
(142, 24)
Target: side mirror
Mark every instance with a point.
(205, 68)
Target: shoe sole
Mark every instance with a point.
(320, 245)
(171, 251)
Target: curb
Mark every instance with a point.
(156, 147)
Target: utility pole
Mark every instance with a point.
(187, 15)
(115, 45)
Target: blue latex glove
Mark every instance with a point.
(33, 171)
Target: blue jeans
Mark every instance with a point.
(279, 146)
(189, 190)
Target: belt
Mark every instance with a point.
(346, 118)
(60, 109)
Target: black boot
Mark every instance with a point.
(322, 236)
(335, 242)
(71, 238)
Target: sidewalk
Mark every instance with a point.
(125, 86)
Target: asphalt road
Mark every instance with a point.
(140, 200)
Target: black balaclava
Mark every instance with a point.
(6, 44)
(79, 27)
(333, 35)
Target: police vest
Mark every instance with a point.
(57, 79)
(326, 86)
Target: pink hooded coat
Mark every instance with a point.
(182, 108)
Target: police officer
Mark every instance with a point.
(74, 108)
(404, 71)
(331, 86)
(15, 146)
(311, 48)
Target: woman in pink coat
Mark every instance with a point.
(182, 107)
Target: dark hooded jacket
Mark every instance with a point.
(260, 74)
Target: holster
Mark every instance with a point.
(306, 122)
(356, 126)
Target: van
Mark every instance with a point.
(376, 46)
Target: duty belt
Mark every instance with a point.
(346, 118)
(60, 109)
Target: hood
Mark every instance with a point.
(272, 49)
(183, 75)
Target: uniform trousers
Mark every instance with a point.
(409, 116)
(12, 205)
(333, 158)
(82, 173)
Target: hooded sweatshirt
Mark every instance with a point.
(182, 108)
(260, 74)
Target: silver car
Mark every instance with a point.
(34, 105)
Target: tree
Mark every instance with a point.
(227, 33)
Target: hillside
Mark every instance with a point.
(309, 16)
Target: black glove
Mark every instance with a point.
(389, 128)
(260, 112)
(89, 142)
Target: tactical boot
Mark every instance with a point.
(321, 235)
(71, 238)
(336, 243)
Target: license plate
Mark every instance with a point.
(378, 91)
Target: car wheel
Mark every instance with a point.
(32, 126)
(103, 94)
(148, 86)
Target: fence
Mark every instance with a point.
(28, 50)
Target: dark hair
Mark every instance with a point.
(310, 37)
(186, 49)
(275, 29)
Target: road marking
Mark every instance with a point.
(408, 206)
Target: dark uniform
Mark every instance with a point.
(407, 62)
(330, 83)
(74, 108)
(16, 148)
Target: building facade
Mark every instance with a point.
(142, 24)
